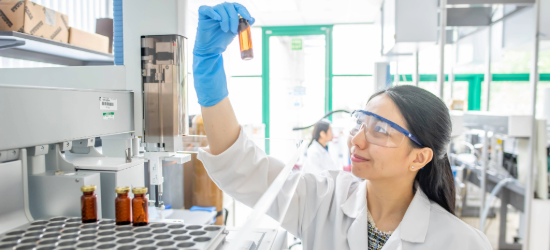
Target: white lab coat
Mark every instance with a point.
(329, 210)
(318, 159)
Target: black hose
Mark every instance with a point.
(326, 115)
(226, 215)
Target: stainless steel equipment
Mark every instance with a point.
(164, 68)
(52, 193)
(114, 172)
(166, 121)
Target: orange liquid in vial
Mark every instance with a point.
(123, 206)
(88, 204)
(140, 212)
(245, 40)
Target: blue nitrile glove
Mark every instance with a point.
(218, 26)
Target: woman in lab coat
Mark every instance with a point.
(398, 145)
(318, 158)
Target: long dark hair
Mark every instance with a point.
(428, 119)
(319, 126)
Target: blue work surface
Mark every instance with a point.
(181, 216)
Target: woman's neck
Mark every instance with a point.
(323, 143)
(388, 201)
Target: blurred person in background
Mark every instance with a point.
(318, 157)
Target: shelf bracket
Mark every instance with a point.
(10, 43)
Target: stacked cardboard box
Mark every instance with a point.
(104, 26)
(34, 19)
(88, 40)
(27, 17)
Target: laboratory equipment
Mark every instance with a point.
(113, 172)
(50, 126)
(403, 36)
(502, 165)
(164, 78)
(88, 203)
(63, 233)
(123, 206)
(53, 193)
(245, 39)
(140, 203)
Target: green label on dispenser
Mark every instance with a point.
(296, 44)
(108, 115)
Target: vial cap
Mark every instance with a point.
(122, 190)
(88, 188)
(139, 190)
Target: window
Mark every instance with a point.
(351, 92)
(355, 49)
(244, 80)
(246, 96)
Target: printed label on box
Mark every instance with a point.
(108, 115)
(50, 17)
(106, 103)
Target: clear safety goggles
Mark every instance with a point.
(379, 130)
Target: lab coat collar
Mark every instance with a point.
(356, 207)
(317, 144)
(413, 227)
(356, 201)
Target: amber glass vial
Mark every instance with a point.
(88, 204)
(245, 39)
(139, 207)
(123, 206)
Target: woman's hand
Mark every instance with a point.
(217, 28)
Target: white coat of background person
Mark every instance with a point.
(318, 157)
(408, 188)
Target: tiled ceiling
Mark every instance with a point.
(303, 12)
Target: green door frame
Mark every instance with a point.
(268, 32)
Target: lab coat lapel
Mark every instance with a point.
(394, 242)
(414, 226)
(416, 221)
(356, 207)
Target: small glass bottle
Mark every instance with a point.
(245, 39)
(139, 207)
(123, 206)
(88, 204)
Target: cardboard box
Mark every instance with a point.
(104, 26)
(456, 104)
(88, 40)
(33, 19)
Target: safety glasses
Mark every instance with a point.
(379, 130)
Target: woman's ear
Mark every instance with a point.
(420, 157)
(323, 134)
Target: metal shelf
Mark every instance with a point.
(39, 49)
(518, 126)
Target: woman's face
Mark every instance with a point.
(373, 162)
(327, 136)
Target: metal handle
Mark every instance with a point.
(128, 156)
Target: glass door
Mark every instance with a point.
(296, 82)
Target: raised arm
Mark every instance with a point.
(234, 162)
(218, 26)
(222, 128)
